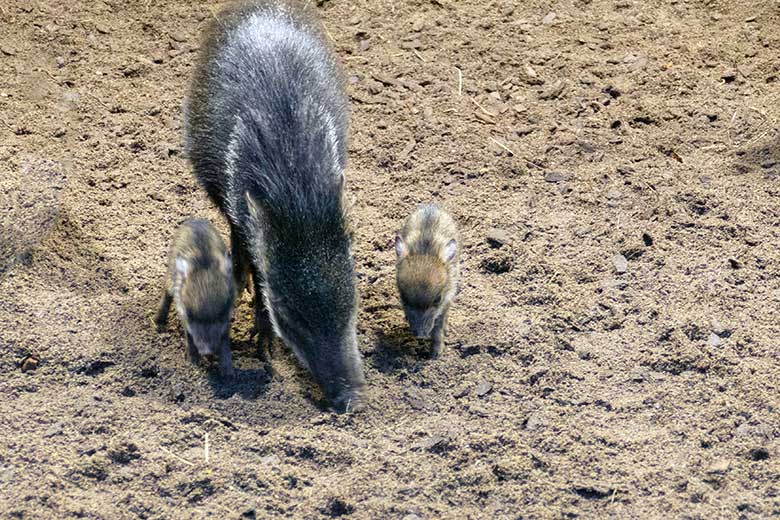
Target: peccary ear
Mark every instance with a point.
(251, 204)
(400, 247)
(182, 267)
(448, 253)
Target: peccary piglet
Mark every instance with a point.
(200, 282)
(266, 133)
(427, 271)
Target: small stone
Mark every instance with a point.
(728, 75)
(271, 460)
(525, 130)
(719, 466)
(614, 194)
(412, 516)
(60, 61)
(620, 263)
(178, 37)
(8, 51)
(463, 391)
(102, 28)
(497, 237)
(59, 132)
(30, 363)
(535, 422)
(553, 91)
(549, 18)
(431, 442)
(54, 429)
(374, 87)
(483, 388)
(556, 176)
(714, 340)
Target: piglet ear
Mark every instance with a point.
(448, 253)
(226, 264)
(182, 267)
(400, 247)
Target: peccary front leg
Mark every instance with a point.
(439, 328)
(162, 312)
(240, 261)
(226, 362)
(263, 328)
(192, 351)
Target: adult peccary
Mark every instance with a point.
(428, 271)
(200, 282)
(266, 132)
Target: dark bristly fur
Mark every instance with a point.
(266, 125)
(200, 283)
(427, 271)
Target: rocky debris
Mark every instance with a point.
(557, 176)
(719, 466)
(53, 430)
(497, 237)
(483, 388)
(29, 363)
(620, 263)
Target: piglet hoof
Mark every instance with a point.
(159, 326)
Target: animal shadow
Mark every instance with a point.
(397, 349)
(248, 382)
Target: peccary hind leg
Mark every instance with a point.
(162, 312)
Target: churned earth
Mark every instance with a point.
(614, 166)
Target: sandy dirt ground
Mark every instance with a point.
(614, 166)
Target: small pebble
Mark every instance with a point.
(30, 363)
(483, 388)
(715, 340)
(556, 176)
(431, 442)
(719, 466)
(620, 263)
(497, 237)
(54, 429)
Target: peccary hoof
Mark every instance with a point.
(350, 401)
